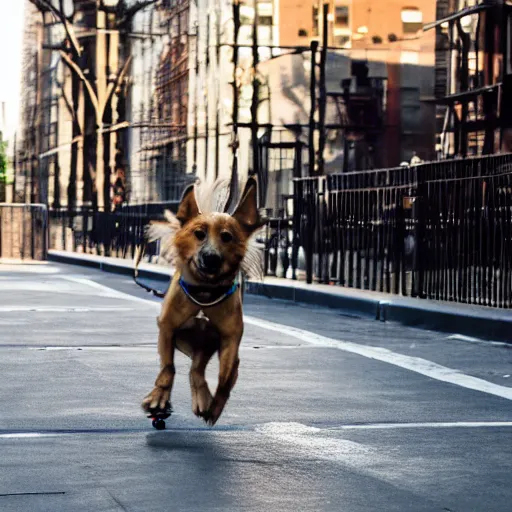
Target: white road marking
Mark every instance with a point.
(28, 435)
(62, 309)
(53, 287)
(463, 337)
(470, 339)
(109, 292)
(414, 364)
(94, 348)
(36, 268)
(427, 425)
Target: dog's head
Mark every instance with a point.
(210, 247)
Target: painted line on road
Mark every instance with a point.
(471, 339)
(94, 348)
(414, 364)
(61, 309)
(295, 432)
(427, 425)
(124, 431)
(40, 268)
(28, 435)
(107, 291)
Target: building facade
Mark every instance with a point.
(104, 108)
(197, 88)
(473, 77)
(380, 75)
(158, 102)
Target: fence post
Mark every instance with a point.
(322, 101)
(312, 123)
(420, 247)
(309, 233)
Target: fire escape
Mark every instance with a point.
(473, 79)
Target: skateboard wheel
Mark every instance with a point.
(158, 423)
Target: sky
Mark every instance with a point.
(11, 32)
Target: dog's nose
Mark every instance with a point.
(211, 261)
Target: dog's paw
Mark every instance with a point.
(201, 401)
(213, 414)
(157, 402)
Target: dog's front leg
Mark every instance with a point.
(176, 310)
(228, 320)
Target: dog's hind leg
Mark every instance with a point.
(199, 343)
(201, 395)
(228, 375)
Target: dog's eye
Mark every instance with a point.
(200, 235)
(226, 237)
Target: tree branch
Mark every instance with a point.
(46, 6)
(112, 86)
(74, 67)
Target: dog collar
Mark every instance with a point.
(218, 295)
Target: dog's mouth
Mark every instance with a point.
(203, 272)
(207, 275)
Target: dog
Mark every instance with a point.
(202, 310)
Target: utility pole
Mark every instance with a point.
(217, 92)
(236, 22)
(196, 100)
(322, 102)
(207, 105)
(255, 92)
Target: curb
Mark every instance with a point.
(474, 321)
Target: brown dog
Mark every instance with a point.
(202, 310)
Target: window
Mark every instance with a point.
(412, 20)
(265, 21)
(303, 32)
(341, 16)
(315, 21)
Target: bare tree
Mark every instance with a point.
(112, 22)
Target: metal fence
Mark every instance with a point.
(115, 234)
(23, 231)
(440, 231)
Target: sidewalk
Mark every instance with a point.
(474, 321)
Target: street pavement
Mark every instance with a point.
(331, 412)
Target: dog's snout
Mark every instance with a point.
(211, 261)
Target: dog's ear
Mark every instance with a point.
(188, 208)
(246, 212)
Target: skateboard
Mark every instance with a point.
(158, 416)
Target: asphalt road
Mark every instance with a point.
(330, 413)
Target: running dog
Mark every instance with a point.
(202, 310)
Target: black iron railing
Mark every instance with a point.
(441, 230)
(115, 234)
